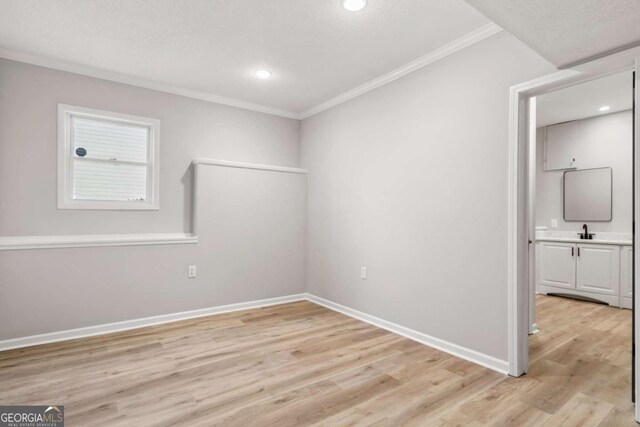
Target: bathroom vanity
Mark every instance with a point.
(598, 269)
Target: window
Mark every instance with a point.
(106, 160)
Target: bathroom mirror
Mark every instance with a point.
(587, 195)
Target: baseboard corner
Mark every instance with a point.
(498, 365)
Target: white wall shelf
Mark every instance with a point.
(9, 243)
(12, 243)
(242, 165)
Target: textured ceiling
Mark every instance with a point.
(315, 49)
(584, 100)
(567, 31)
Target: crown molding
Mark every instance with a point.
(141, 82)
(467, 40)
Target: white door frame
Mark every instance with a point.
(518, 227)
(531, 213)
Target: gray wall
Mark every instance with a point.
(608, 142)
(410, 180)
(52, 290)
(189, 128)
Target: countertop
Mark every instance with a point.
(599, 238)
(594, 241)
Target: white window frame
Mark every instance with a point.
(65, 162)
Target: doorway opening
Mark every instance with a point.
(573, 255)
(581, 197)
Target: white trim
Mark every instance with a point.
(465, 41)
(141, 82)
(194, 198)
(65, 199)
(518, 310)
(636, 239)
(90, 331)
(229, 164)
(482, 359)
(126, 325)
(531, 217)
(517, 237)
(242, 165)
(9, 243)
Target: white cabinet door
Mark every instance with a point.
(560, 146)
(626, 276)
(557, 265)
(598, 269)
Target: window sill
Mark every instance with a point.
(12, 243)
(108, 205)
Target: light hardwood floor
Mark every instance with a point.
(301, 364)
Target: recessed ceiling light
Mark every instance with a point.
(604, 108)
(354, 5)
(262, 74)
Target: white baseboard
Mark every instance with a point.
(108, 328)
(487, 361)
(490, 362)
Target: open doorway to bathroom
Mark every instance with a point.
(580, 199)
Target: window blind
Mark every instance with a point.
(110, 160)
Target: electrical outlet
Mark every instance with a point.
(554, 223)
(192, 271)
(363, 273)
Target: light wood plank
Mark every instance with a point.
(302, 364)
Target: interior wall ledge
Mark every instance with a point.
(12, 243)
